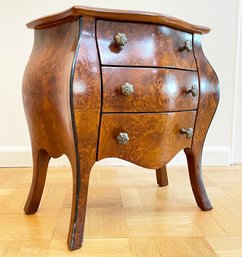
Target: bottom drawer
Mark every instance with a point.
(148, 139)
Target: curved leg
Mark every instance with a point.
(194, 159)
(40, 164)
(161, 177)
(81, 172)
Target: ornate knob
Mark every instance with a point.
(193, 90)
(187, 46)
(122, 138)
(120, 39)
(188, 132)
(127, 89)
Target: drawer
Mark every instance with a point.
(147, 45)
(148, 89)
(153, 138)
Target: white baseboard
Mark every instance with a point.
(16, 156)
(212, 156)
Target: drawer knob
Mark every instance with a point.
(120, 39)
(187, 46)
(188, 132)
(193, 90)
(122, 138)
(127, 89)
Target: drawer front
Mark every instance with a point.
(153, 138)
(148, 90)
(147, 45)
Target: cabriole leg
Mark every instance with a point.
(81, 174)
(40, 164)
(194, 160)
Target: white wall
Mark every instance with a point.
(237, 135)
(221, 46)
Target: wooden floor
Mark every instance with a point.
(128, 214)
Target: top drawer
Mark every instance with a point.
(147, 45)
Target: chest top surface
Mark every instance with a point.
(115, 14)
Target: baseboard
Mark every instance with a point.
(212, 156)
(16, 156)
(20, 156)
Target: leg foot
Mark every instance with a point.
(161, 176)
(40, 165)
(81, 175)
(195, 173)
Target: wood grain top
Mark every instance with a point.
(115, 14)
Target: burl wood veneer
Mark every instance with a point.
(110, 83)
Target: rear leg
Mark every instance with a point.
(161, 176)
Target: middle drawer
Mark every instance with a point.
(149, 89)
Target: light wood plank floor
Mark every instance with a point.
(127, 215)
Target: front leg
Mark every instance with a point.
(81, 169)
(40, 164)
(207, 105)
(194, 160)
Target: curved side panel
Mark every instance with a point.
(46, 89)
(209, 94)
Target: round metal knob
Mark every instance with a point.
(120, 39)
(127, 89)
(193, 90)
(187, 46)
(122, 138)
(188, 132)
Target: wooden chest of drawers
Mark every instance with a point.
(108, 83)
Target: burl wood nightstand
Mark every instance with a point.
(110, 83)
